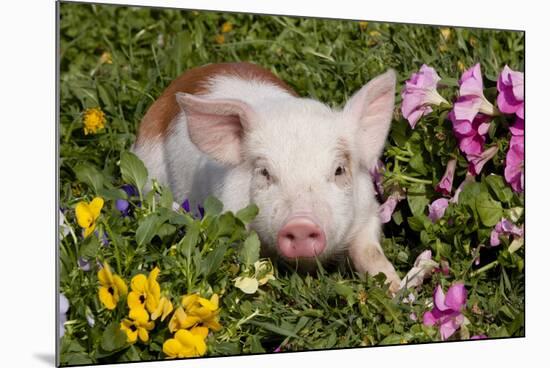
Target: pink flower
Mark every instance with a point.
(471, 99)
(446, 312)
(470, 134)
(419, 92)
(504, 227)
(477, 161)
(510, 88)
(446, 184)
(478, 337)
(437, 209)
(386, 209)
(514, 167)
(377, 173)
(422, 269)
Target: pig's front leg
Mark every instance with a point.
(367, 255)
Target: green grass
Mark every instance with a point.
(323, 59)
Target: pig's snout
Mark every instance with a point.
(301, 236)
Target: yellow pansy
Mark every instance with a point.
(94, 119)
(137, 326)
(363, 25)
(164, 308)
(206, 310)
(186, 344)
(181, 320)
(88, 213)
(219, 39)
(111, 287)
(145, 291)
(445, 32)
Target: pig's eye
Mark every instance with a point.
(341, 170)
(265, 173)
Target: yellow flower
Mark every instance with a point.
(219, 39)
(94, 119)
(106, 58)
(227, 27)
(164, 308)
(460, 65)
(137, 326)
(88, 213)
(445, 32)
(195, 310)
(186, 344)
(374, 34)
(111, 287)
(145, 291)
(181, 320)
(363, 25)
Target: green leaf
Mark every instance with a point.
(213, 260)
(76, 359)
(212, 206)
(247, 214)
(501, 190)
(190, 240)
(250, 252)
(90, 176)
(166, 199)
(489, 210)
(417, 164)
(133, 170)
(112, 194)
(416, 197)
(113, 338)
(273, 328)
(147, 228)
(89, 247)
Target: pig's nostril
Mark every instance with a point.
(290, 237)
(314, 235)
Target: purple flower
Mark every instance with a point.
(446, 184)
(186, 206)
(471, 100)
(84, 264)
(510, 88)
(478, 337)
(201, 211)
(123, 205)
(446, 313)
(470, 134)
(419, 92)
(437, 209)
(477, 161)
(504, 227)
(385, 211)
(514, 168)
(377, 173)
(63, 308)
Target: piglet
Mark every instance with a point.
(236, 131)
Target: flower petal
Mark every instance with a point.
(139, 283)
(456, 296)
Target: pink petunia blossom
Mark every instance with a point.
(385, 211)
(477, 161)
(470, 134)
(419, 93)
(471, 99)
(446, 184)
(510, 87)
(504, 227)
(437, 209)
(514, 164)
(446, 313)
(422, 269)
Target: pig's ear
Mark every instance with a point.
(216, 126)
(372, 108)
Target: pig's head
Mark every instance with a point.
(302, 163)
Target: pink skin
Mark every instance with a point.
(301, 237)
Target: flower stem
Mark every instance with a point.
(414, 180)
(487, 267)
(117, 253)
